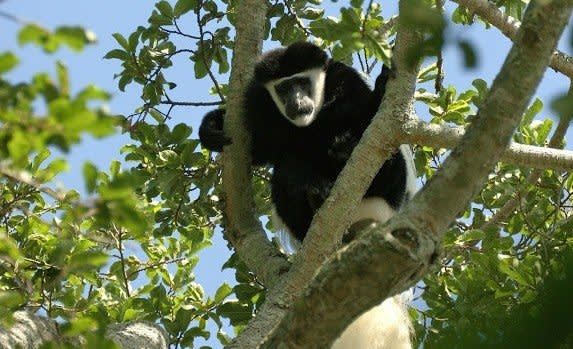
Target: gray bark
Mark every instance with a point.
(30, 331)
(440, 136)
(242, 228)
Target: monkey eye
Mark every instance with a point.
(301, 84)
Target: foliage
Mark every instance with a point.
(127, 249)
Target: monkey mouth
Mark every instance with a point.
(302, 120)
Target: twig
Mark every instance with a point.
(178, 32)
(119, 240)
(439, 63)
(191, 104)
(13, 18)
(201, 47)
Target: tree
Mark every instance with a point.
(487, 232)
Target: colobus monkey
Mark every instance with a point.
(306, 113)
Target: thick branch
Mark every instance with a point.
(394, 257)
(243, 230)
(439, 136)
(509, 26)
(30, 331)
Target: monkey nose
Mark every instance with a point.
(298, 109)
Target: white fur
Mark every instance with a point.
(374, 208)
(386, 326)
(289, 244)
(317, 77)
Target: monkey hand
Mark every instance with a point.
(342, 146)
(317, 194)
(211, 132)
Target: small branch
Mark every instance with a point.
(14, 19)
(118, 236)
(509, 26)
(179, 32)
(155, 265)
(192, 104)
(201, 46)
(439, 63)
(26, 178)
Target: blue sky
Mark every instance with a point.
(105, 17)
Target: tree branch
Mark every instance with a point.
(509, 26)
(26, 178)
(30, 331)
(439, 136)
(192, 104)
(242, 229)
(392, 258)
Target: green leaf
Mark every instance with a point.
(90, 176)
(74, 37)
(40, 158)
(165, 8)
(63, 78)
(428, 73)
(10, 300)
(200, 69)
(168, 158)
(79, 326)
(237, 313)
(180, 133)
(117, 54)
(53, 169)
(121, 41)
(114, 168)
(33, 33)
(8, 61)
(311, 13)
(184, 6)
(222, 292)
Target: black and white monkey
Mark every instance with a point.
(306, 113)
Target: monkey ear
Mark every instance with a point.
(211, 134)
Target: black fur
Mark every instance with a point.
(307, 160)
(286, 61)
